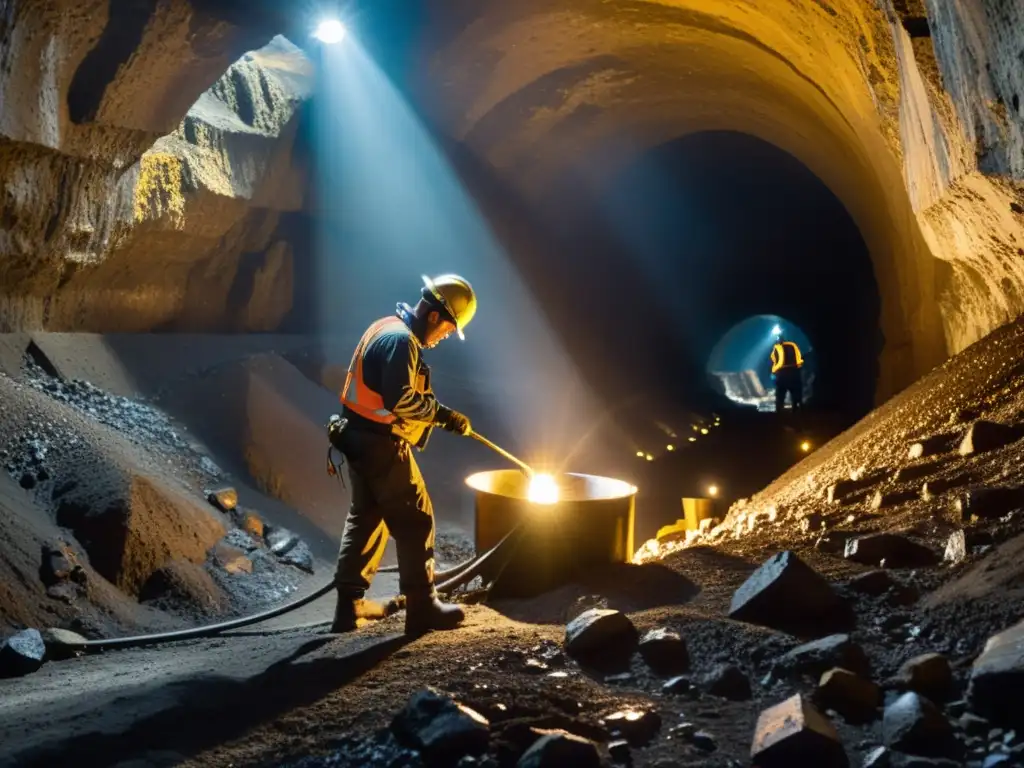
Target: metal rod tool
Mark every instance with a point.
(499, 450)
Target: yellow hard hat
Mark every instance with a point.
(456, 295)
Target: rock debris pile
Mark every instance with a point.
(831, 701)
(142, 423)
(120, 481)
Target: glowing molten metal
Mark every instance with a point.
(543, 490)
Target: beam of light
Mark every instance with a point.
(542, 490)
(330, 31)
(393, 209)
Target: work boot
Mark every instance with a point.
(349, 610)
(425, 612)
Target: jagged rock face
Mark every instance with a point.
(550, 90)
(146, 168)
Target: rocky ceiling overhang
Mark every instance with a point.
(147, 163)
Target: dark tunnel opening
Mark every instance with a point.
(698, 235)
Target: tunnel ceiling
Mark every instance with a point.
(559, 96)
(121, 211)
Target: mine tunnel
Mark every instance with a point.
(633, 228)
(704, 232)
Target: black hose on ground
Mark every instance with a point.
(189, 634)
(498, 556)
(492, 562)
(450, 573)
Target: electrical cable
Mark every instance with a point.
(467, 571)
(494, 557)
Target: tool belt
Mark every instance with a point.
(335, 427)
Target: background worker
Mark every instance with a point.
(389, 406)
(787, 363)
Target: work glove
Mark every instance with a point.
(453, 421)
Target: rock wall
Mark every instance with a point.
(972, 212)
(905, 109)
(145, 164)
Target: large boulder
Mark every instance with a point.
(637, 726)
(794, 733)
(787, 594)
(727, 681)
(872, 583)
(853, 697)
(665, 652)
(22, 654)
(554, 750)
(601, 637)
(817, 657)
(913, 724)
(889, 549)
(988, 503)
(929, 674)
(956, 548)
(997, 678)
(984, 436)
(440, 727)
(892, 498)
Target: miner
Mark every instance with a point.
(389, 408)
(787, 363)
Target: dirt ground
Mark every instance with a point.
(289, 694)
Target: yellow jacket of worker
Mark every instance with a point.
(786, 354)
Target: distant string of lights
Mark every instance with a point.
(700, 429)
(712, 490)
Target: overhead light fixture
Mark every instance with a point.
(712, 491)
(692, 439)
(640, 454)
(670, 447)
(649, 457)
(805, 446)
(330, 31)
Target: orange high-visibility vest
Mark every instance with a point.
(786, 355)
(361, 399)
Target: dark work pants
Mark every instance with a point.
(388, 495)
(788, 380)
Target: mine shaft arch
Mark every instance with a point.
(559, 96)
(721, 227)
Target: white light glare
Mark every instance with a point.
(712, 491)
(330, 31)
(777, 330)
(543, 489)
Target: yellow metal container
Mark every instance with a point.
(591, 525)
(695, 510)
